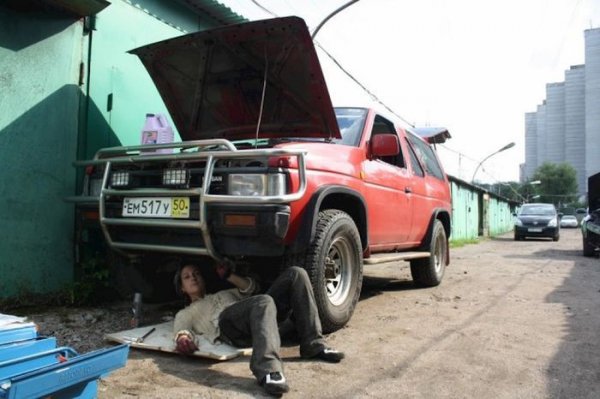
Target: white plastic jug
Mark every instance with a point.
(157, 130)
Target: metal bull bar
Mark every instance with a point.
(133, 154)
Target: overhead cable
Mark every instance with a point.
(337, 63)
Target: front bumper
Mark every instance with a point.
(548, 232)
(250, 230)
(235, 230)
(219, 225)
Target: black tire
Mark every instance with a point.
(556, 237)
(518, 237)
(334, 264)
(588, 250)
(428, 272)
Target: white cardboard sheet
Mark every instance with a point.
(161, 339)
(9, 322)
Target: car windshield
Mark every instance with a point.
(351, 122)
(544, 210)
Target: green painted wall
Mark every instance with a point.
(39, 96)
(465, 213)
(119, 28)
(476, 212)
(47, 120)
(500, 219)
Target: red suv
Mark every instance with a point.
(292, 181)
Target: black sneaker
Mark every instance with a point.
(330, 355)
(274, 383)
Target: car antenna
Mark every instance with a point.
(262, 98)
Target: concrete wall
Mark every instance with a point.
(531, 162)
(39, 97)
(575, 123)
(540, 128)
(592, 101)
(555, 122)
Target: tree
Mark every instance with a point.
(510, 190)
(558, 183)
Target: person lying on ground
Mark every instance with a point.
(241, 318)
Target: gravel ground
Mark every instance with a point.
(83, 328)
(510, 320)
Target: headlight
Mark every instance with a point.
(552, 223)
(119, 179)
(175, 177)
(518, 222)
(257, 184)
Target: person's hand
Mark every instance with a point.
(185, 345)
(223, 271)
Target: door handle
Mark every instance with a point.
(407, 190)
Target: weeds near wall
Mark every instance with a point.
(92, 282)
(462, 243)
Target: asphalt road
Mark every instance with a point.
(510, 320)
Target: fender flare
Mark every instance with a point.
(446, 222)
(308, 224)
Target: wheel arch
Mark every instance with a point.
(443, 216)
(332, 197)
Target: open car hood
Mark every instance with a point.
(212, 81)
(594, 192)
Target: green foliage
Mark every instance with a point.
(92, 281)
(508, 190)
(92, 286)
(463, 242)
(558, 183)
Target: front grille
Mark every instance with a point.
(535, 224)
(150, 175)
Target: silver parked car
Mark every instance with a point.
(569, 221)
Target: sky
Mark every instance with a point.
(473, 66)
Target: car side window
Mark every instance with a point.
(383, 126)
(417, 169)
(427, 157)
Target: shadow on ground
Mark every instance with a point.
(574, 372)
(374, 286)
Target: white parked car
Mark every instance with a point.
(569, 221)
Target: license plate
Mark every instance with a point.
(534, 230)
(162, 207)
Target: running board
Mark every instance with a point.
(395, 257)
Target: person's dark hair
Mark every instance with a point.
(177, 279)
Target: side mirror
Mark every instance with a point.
(385, 145)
